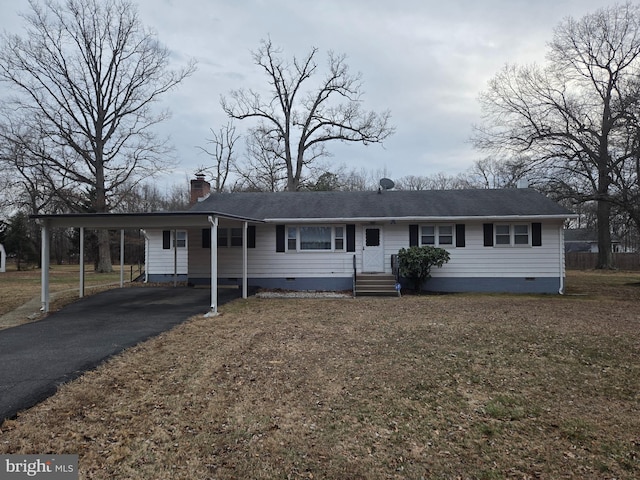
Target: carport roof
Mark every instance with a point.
(137, 220)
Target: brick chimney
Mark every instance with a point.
(200, 189)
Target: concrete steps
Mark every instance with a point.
(376, 284)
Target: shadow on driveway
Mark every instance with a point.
(36, 358)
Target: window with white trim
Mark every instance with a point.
(313, 238)
(437, 235)
(339, 238)
(513, 235)
(181, 239)
(503, 235)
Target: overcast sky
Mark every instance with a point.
(424, 60)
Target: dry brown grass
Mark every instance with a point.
(455, 386)
(18, 287)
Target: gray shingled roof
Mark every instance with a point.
(387, 204)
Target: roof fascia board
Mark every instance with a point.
(421, 219)
(126, 220)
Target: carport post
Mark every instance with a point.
(214, 267)
(244, 259)
(81, 260)
(45, 267)
(175, 258)
(121, 258)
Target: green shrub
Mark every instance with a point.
(416, 262)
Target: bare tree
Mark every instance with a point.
(300, 122)
(572, 117)
(494, 172)
(32, 187)
(222, 151)
(438, 181)
(263, 168)
(148, 197)
(87, 74)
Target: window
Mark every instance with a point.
(173, 238)
(292, 239)
(428, 235)
(236, 237)
(503, 234)
(223, 237)
(521, 234)
(445, 235)
(181, 239)
(510, 235)
(315, 238)
(339, 238)
(372, 237)
(436, 235)
(229, 237)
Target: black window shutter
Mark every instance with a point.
(460, 240)
(351, 238)
(536, 234)
(251, 236)
(166, 239)
(413, 235)
(488, 234)
(206, 238)
(279, 238)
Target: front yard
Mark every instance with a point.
(451, 386)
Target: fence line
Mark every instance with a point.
(588, 261)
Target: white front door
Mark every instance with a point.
(373, 250)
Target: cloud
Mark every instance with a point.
(425, 60)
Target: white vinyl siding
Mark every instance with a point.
(160, 260)
(265, 262)
(474, 260)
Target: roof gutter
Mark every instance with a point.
(420, 218)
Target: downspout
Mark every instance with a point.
(245, 226)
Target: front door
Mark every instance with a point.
(373, 251)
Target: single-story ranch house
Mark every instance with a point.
(509, 240)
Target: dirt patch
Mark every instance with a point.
(457, 386)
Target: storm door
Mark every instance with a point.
(373, 250)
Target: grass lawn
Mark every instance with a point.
(18, 287)
(434, 387)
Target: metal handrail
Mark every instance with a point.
(395, 269)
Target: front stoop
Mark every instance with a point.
(376, 284)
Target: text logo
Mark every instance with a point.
(50, 467)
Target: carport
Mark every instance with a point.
(124, 221)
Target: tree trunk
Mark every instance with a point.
(104, 253)
(605, 257)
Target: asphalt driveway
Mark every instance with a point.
(36, 358)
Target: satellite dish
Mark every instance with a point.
(387, 183)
